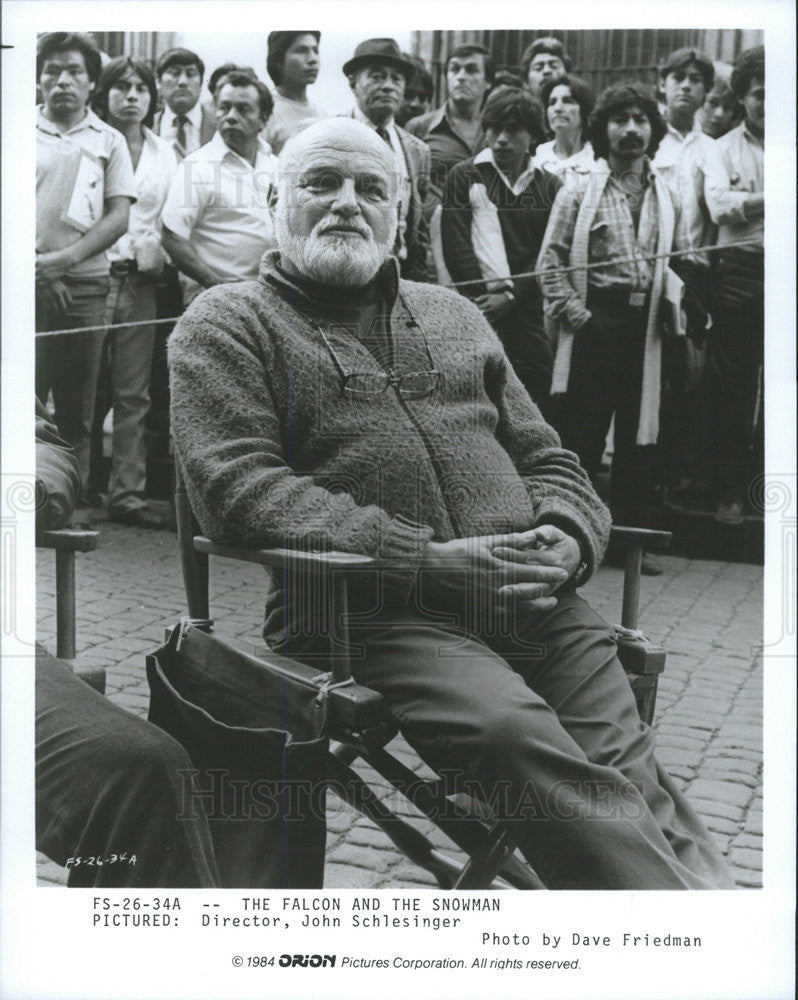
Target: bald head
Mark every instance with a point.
(337, 196)
(342, 135)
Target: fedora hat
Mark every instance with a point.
(379, 49)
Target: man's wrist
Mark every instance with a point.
(580, 573)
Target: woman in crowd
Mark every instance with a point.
(126, 99)
(568, 102)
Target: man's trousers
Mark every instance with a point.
(528, 347)
(111, 787)
(540, 721)
(129, 361)
(69, 364)
(735, 397)
(605, 380)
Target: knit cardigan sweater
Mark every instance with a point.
(275, 456)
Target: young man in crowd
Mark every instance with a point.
(187, 124)
(418, 93)
(462, 493)
(736, 354)
(689, 162)
(293, 64)
(494, 216)
(183, 120)
(84, 189)
(454, 132)
(216, 222)
(543, 60)
(721, 111)
(608, 356)
(378, 74)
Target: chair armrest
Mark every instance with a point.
(69, 540)
(626, 537)
(288, 558)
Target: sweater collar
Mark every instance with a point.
(302, 292)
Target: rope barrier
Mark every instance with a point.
(456, 284)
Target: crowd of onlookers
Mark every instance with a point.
(614, 241)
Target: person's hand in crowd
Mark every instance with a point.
(59, 294)
(498, 565)
(494, 305)
(544, 548)
(54, 264)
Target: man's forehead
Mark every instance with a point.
(476, 61)
(66, 57)
(380, 66)
(628, 110)
(303, 42)
(348, 157)
(691, 66)
(231, 92)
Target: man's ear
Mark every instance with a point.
(271, 200)
(352, 78)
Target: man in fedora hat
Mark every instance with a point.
(378, 73)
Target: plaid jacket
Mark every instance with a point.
(591, 222)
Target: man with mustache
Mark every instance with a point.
(608, 357)
(331, 405)
(216, 222)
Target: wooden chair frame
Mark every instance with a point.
(357, 719)
(66, 542)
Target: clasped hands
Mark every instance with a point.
(521, 570)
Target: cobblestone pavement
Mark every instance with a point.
(708, 615)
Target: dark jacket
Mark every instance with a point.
(57, 474)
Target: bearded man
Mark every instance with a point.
(331, 405)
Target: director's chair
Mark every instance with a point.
(359, 723)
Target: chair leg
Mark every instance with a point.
(65, 604)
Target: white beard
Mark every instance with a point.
(330, 258)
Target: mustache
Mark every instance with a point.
(332, 225)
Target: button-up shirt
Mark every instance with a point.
(691, 166)
(402, 177)
(77, 171)
(153, 175)
(447, 148)
(192, 127)
(220, 202)
(743, 158)
(612, 242)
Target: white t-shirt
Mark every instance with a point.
(288, 118)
